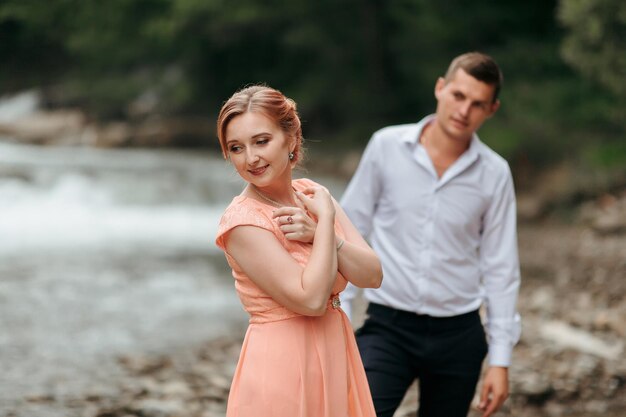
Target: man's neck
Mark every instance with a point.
(437, 140)
(442, 149)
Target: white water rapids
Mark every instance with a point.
(105, 253)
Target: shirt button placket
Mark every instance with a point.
(429, 228)
(426, 255)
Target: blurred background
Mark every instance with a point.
(114, 301)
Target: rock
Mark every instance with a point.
(151, 407)
(219, 381)
(596, 407)
(214, 410)
(606, 215)
(113, 135)
(569, 337)
(19, 105)
(607, 320)
(44, 127)
(542, 300)
(21, 119)
(143, 364)
(176, 389)
(40, 398)
(90, 410)
(535, 387)
(610, 223)
(177, 131)
(530, 207)
(554, 409)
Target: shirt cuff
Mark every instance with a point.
(500, 355)
(346, 306)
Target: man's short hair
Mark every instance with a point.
(480, 66)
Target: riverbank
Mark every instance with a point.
(569, 361)
(115, 303)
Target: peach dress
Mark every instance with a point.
(292, 365)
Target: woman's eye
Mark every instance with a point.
(235, 148)
(262, 141)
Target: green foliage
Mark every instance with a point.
(352, 66)
(610, 155)
(595, 45)
(595, 42)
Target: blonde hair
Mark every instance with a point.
(271, 103)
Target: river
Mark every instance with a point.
(105, 253)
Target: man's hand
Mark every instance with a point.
(495, 390)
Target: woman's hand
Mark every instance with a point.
(318, 202)
(296, 224)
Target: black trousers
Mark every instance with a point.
(444, 353)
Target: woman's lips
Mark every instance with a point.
(258, 171)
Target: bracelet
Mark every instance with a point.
(340, 244)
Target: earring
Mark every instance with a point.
(291, 156)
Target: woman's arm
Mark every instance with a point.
(262, 257)
(358, 262)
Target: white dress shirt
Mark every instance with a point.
(446, 244)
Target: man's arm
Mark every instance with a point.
(501, 276)
(359, 203)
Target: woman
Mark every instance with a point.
(292, 250)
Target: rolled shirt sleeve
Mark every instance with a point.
(346, 298)
(359, 202)
(361, 196)
(501, 274)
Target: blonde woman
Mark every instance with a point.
(292, 250)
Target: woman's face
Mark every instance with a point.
(258, 149)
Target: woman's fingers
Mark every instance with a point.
(295, 223)
(283, 211)
(299, 223)
(305, 199)
(317, 200)
(287, 215)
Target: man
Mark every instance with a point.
(438, 206)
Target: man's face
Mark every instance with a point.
(463, 104)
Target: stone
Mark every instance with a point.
(569, 337)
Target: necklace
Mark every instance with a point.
(266, 198)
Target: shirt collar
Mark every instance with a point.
(412, 136)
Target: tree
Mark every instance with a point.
(595, 43)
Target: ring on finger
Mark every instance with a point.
(289, 219)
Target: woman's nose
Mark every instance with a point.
(251, 156)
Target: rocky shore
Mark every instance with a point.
(570, 360)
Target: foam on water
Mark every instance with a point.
(106, 253)
(73, 215)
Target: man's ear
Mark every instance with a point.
(439, 85)
(494, 107)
